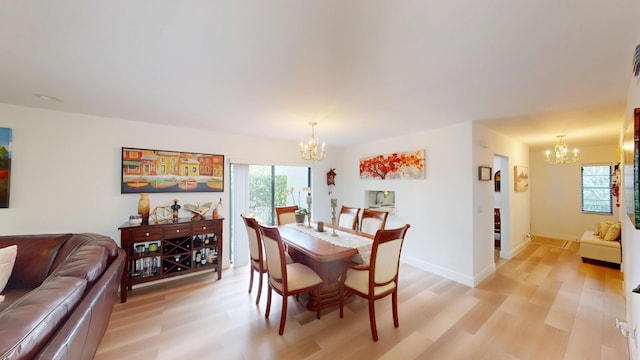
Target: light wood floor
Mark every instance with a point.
(543, 304)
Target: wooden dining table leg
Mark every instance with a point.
(329, 272)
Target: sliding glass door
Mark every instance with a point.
(271, 186)
(256, 190)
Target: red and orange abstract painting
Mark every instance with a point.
(403, 165)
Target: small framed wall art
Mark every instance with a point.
(521, 178)
(5, 166)
(484, 173)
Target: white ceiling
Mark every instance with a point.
(363, 69)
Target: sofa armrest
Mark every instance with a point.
(88, 262)
(78, 241)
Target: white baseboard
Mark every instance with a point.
(559, 236)
(486, 272)
(446, 273)
(508, 254)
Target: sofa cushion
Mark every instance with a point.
(11, 295)
(589, 237)
(613, 233)
(594, 247)
(7, 259)
(28, 323)
(81, 334)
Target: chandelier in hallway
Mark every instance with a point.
(561, 151)
(310, 150)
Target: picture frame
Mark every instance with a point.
(484, 173)
(162, 171)
(521, 178)
(631, 169)
(5, 165)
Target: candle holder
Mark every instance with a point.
(309, 210)
(333, 219)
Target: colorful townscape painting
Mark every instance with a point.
(160, 171)
(403, 165)
(5, 166)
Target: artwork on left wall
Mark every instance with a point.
(161, 171)
(5, 166)
(521, 178)
(631, 169)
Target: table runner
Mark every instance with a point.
(360, 243)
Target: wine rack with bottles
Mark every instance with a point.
(160, 250)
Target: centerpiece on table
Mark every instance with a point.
(301, 212)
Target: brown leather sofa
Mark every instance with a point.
(60, 295)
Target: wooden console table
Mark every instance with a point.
(160, 250)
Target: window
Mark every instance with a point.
(596, 189)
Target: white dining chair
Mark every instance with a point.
(285, 279)
(377, 279)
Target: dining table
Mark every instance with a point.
(326, 252)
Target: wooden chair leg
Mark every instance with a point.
(394, 304)
(341, 301)
(259, 287)
(372, 319)
(266, 313)
(283, 316)
(319, 300)
(251, 278)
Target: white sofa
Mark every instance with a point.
(594, 246)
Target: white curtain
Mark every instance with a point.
(240, 205)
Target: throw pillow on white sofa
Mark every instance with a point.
(613, 233)
(603, 228)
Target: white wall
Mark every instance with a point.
(450, 211)
(66, 178)
(556, 194)
(439, 207)
(515, 205)
(483, 205)
(65, 170)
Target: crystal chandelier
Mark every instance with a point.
(309, 150)
(561, 151)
